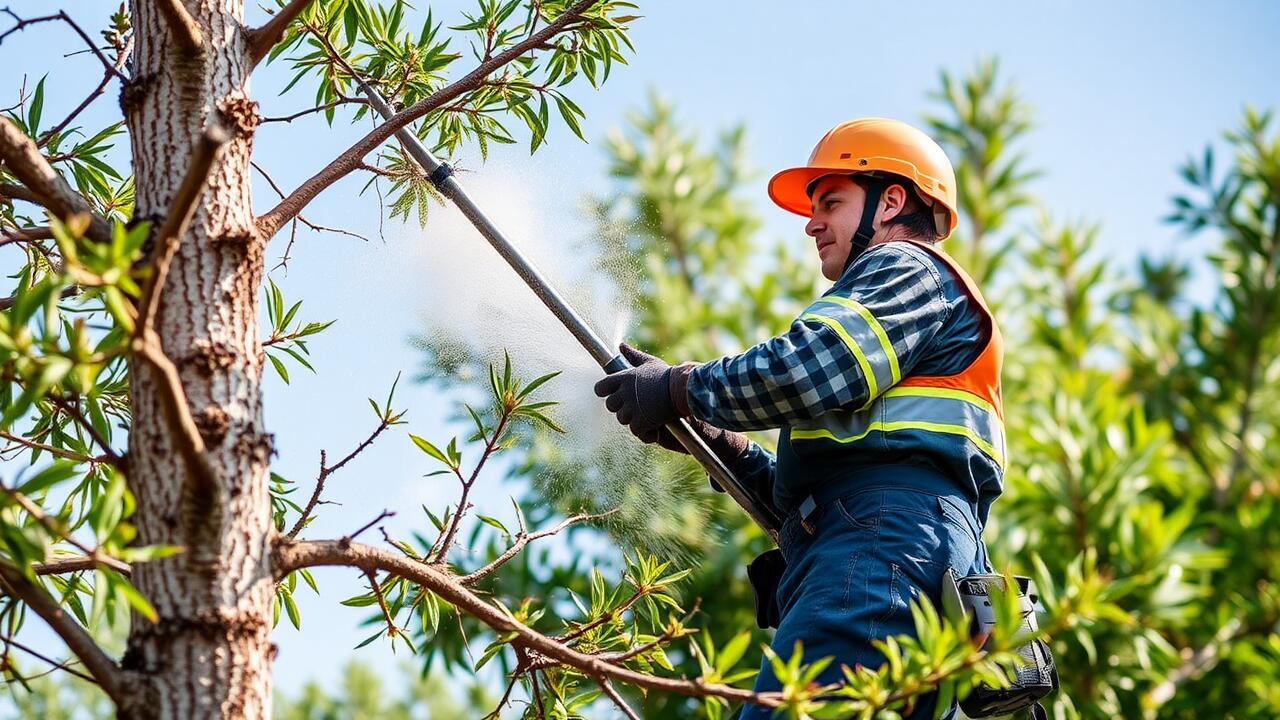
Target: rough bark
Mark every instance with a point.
(210, 654)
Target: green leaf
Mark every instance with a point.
(536, 384)
(59, 471)
(135, 599)
(732, 652)
(291, 609)
(280, 368)
(37, 108)
(368, 640)
(494, 522)
(426, 446)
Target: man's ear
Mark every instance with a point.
(892, 202)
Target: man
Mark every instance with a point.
(887, 393)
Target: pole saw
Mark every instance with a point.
(441, 176)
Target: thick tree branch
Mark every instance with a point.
(104, 670)
(262, 39)
(80, 563)
(200, 496)
(22, 235)
(175, 223)
(274, 219)
(289, 556)
(47, 188)
(18, 192)
(184, 28)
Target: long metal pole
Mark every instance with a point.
(442, 177)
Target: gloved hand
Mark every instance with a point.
(640, 396)
(729, 446)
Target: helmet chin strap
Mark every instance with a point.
(862, 237)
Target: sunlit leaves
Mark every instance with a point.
(407, 59)
(286, 338)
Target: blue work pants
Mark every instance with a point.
(853, 578)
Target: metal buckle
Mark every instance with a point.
(808, 514)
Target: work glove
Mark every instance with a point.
(641, 396)
(729, 446)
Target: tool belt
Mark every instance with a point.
(1035, 678)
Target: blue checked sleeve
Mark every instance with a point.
(848, 347)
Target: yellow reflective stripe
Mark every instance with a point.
(873, 387)
(894, 371)
(982, 444)
(950, 393)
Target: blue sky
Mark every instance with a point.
(1122, 93)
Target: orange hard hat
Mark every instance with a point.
(877, 146)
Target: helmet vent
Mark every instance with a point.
(862, 162)
(844, 156)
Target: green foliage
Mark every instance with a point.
(286, 336)
(407, 65)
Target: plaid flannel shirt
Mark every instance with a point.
(920, 322)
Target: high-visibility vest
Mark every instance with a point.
(938, 421)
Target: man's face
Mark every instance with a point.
(837, 209)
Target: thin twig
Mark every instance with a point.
(122, 57)
(537, 695)
(381, 516)
(523, 538)
(275, 218)
(617, 699)
(59, 452)
(284, 260)
(325, 472)
(70, 291)
(490, 447)
(54, 526)
(667, 636)
(606, 617)
(318, 108)
(506, 695)
(57, 665)
(263, 38)
(22, 24)
(74, 411)
(392, 630)
(182, 25)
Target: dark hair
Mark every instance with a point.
(917, 217)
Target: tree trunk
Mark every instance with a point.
(210, 654)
